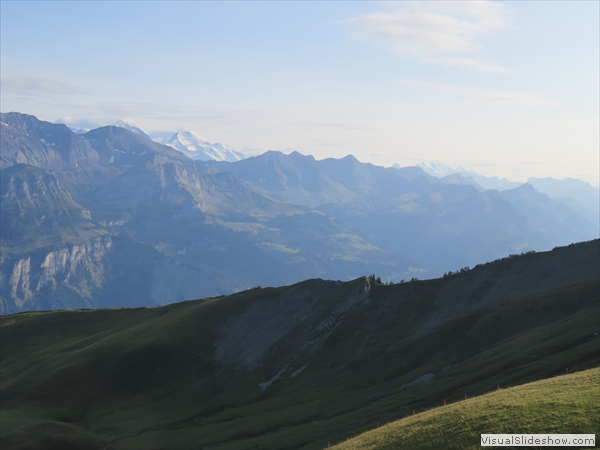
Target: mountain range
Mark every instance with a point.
(111, 218)
(184, 141)
(442, 223)
(440, 170)
(577, 194)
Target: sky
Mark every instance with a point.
(507, 89)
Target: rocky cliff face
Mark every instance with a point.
(150, 187)
(38, 212)
(102, 273)
(50, 277)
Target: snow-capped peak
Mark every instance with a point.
(440, 170)
(197, 148)
(131, 127)
(78, 130)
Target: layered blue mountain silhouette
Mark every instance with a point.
(112, 218)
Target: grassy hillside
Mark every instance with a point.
(298, 366)
(563, 405)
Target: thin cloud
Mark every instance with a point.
(428, 30)
(25, 85)
(329, 125)
(489, 97)
(511, 98)
(464, 62)
(78, 123)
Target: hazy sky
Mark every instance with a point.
(507, 89)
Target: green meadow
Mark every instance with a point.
(561, 405)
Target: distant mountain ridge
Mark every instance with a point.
(577, 194)
(435, 221)
(442, 170)
(302, 179)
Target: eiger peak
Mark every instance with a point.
(131, 127)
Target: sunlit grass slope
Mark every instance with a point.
(565, 405)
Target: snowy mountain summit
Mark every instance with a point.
(197, 148)
(439, 170)
(442, 170)
(131, 127)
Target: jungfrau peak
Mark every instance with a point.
(197, 148)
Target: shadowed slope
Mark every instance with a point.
(303, 365)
